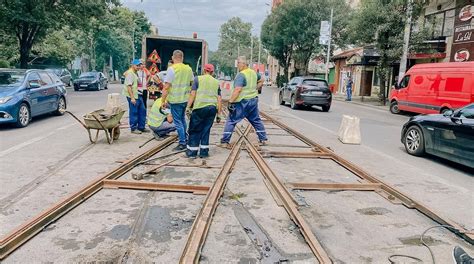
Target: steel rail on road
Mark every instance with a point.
(385, 190)
(31, 228)
(202, 222)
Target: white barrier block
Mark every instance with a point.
(275, 101)
(349, 131)
(113, 100)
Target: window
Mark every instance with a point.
(45, 78)
(454, 84)
(467, 112)
(316, 83)
(293, 81)
(55, 78)
(405, 81)
(11, 78)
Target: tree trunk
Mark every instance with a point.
(24, 54)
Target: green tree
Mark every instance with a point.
(386, 20)
(58, 46)
(30, 20)
(291, 32)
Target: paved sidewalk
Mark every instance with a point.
(362, 100)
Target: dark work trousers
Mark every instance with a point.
(199, 130)
(244, 109)
(145, 97)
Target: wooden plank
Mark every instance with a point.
(201, 224)
(289, 204)
(154, 186)
(335, 186)
(23, 233)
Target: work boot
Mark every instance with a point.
(191, 153)
(224, 145)
(461, 257)
(203, 153)
(145, 130)
(263, 142)
(158, 137)
(136, 132)
(179, 147)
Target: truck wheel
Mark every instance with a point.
(443, 110)
(414, 141)
(394, 108)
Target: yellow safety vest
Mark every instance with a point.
(134, 85)
(249, 91)
(181, 85)
(155, 117)
(207, 92)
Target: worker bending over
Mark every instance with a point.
(243, 103)
(160, 120)
(205, 101)
(176, 90)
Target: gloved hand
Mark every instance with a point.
(218, 119)
(231, 107)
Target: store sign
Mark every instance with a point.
(463, 39)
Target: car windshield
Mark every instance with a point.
(11, 78)
(56, 71)
(88, 75)
(317, 83)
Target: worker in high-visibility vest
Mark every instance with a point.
(205, 101)
(176, 90)
(160, 121)
(243, 103)
(137, 111)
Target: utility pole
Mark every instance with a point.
(251, 50)
(329, 48)
(259, 51)
(406, 42)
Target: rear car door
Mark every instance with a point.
(36, 94)
(50, 93)
(291, 87)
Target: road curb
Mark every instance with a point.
(362, 104)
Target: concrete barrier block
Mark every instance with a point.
(349, 131)
(275, 101)
(113, 100)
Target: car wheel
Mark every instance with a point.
(106, 86)
(443, 110)
(61, 106)
(394, 109)
(281, 99)
(70, 83)
(414, 141)
(326, 107)
(24, 116)
(293, 104)
(98, 87)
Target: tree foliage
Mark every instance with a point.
(386, 21)
(31, 20)
(291, 32)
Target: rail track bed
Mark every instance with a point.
(290, 201)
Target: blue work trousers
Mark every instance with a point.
(200, 128)
(136, 114)
(164, 129)
(178, 111)
(244, 109)
(349, 93)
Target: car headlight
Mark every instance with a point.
(5, 99)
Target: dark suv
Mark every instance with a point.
(306, 91)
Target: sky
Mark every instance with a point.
(201, 16)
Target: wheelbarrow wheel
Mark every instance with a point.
(115, 132)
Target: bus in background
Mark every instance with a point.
(434, 88)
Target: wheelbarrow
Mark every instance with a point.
(105, 120)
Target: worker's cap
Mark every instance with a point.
(136, 62)
(209, 67)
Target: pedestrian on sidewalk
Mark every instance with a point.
(243, 103)
(137, 112)
(176, 90)
(160, 120)
(349, 89)
(205, 101)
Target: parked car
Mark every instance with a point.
(64, 75)
(91, 81)
(28, 93)
(449, 135)
(434, 88)
(306, 91)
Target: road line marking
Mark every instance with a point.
(32, 141)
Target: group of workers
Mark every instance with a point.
(199, 98)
